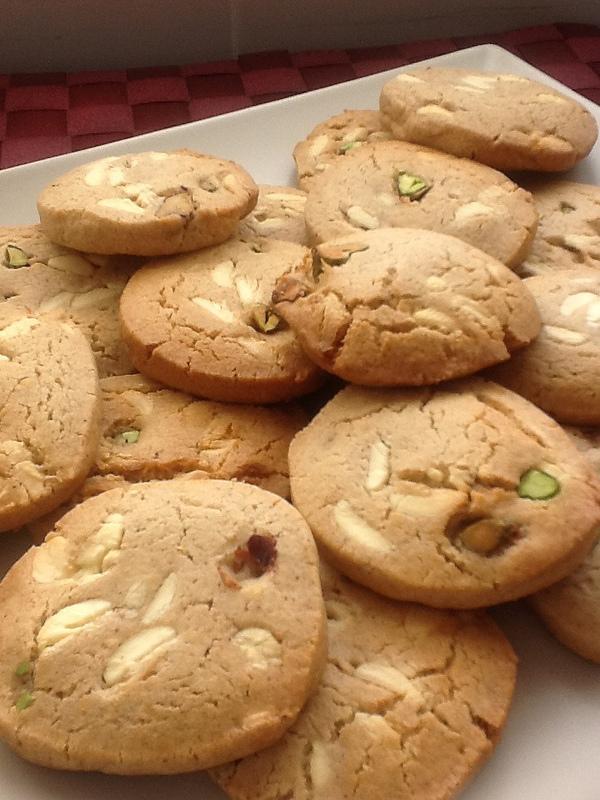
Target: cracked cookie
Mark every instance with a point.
(558, 371)
(279, 214)
(164, 628)
(203, 323)
(150, 432)
(49, 418)
(568, 234)
(333, 138)
(411, 702)
(507, 121)
(457, 498)
(397, 306)
(399, 185)
(147, 204)
(44, 279)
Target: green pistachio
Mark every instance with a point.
(345, 146)
(537, 485)
(565, 207)
(129, 437)
(14, 257)
(412, 186)
(24, 700)
(23, 669)
(264, 320)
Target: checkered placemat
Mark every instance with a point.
(48, 114)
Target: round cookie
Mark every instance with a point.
(399, 185)
(279, 214)
(202, 323)
(411, 702)
(458, 498)
(506, 121)
(164, 628)
(147, 204)
(558, 372)
(334, 138)
(44, 279)
(397, 306)
(568, 234)
(49, 418)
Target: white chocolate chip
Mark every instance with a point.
(52, 561)
(593, 314)
(320, 769)
(222, 274)
(319, 144)
(30, 474)
(556, 143)
(69, 620)
(231, 182)
(100, 298)
(107, 540)
(356, 529)
(121, 204)
(428, 503)
(18, 328)
(574, 302)
(162, 600)
(96, 175)
(259, 347)
(260, 647)
(266, 226)
(356, 135)
(295, 202)
(129, 657)
(404, 77)
(434, 319)
(247, 290)
(432, 109)
(136, 595)
(564, 335)
(479, 81)
(387, 677)
(361, 218)
(159, 156)
(132, 190)
(512, 78)
(436, 283)
(116, 176)
(475, 209)
(552, 98)
(61, 301)
(582, 243)
(78, 265)
(4, 358)
(220, 310)
(470, 89)
(378, 473)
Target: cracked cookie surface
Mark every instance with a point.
(279, 214)
(400, 185)
(165, 628)
(147, 204)
(457, 498)
(411, 702)
(507, 121)
(558, 371)
(48, 280)
(395, 307)
(49, 416)
(202, 323)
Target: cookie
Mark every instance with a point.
(279, 214)
(399, 185)
(404, 307)
(571, 609)
(147, 204)
(165, 628)
(150, 432)
(558, 372)
(202, 323)
(334, 138)
(506, 121)
(568, 234)
(457, 498)
(49, 419)
(47, 280)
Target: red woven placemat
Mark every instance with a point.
(48, 114)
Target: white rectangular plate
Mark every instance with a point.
(550, 747)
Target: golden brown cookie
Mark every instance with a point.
(399, 185)
(506, 121)
(279, 214)
(158, 630)
(404, 307)
(147, 204)
(457, 498)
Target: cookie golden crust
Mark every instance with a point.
(333, 139)
(49, 422)
(568, 234)
(404, 307)
(279, 214)
(452, 498)
(506, 121)
(411, 702)
(147, 204)
(44, 279)
(399, 185)
(201, 323)
(166, 628)
(558, 372)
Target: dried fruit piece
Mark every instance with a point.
(288, 288)
(264, 319)
(484, 536)
(263, 551)
(24, 701)
(14, 257)
(412, 186)
(535, 484)
(128, 437)
(23, 669)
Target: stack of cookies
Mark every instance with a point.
(170, 322)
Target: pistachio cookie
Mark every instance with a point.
(568, 234)
(400, 185)
(147, 204)
(397, 306)
(44, 279)
(49, 418)
(164, 628)
(203, 323)
(457, 498)
(506, 121)
(279, 214)
(334, 138)
(411, 702)
(559, 371)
